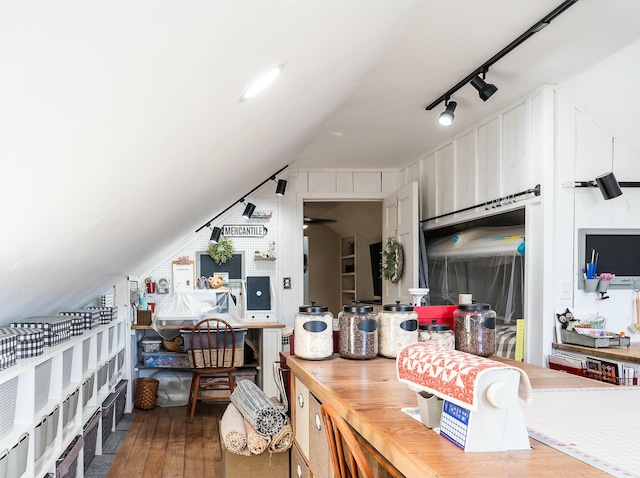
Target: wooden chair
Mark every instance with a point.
(212, 357)
(341, 439)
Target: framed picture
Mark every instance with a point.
(183, 276)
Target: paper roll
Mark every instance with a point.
(465, 299)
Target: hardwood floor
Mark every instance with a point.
(162, 443)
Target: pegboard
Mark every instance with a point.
(249, 245)
(598, 426)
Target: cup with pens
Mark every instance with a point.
(590, 273)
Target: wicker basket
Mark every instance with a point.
(203, 360)
(146, 393)
(173, 345)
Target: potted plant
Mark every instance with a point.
(222, 250)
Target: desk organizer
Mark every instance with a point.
(481, 410)
(569, 337)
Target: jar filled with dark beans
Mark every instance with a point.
(358, 337)
(475, 329)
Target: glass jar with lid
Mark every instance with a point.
(475, 329)
(437, 334)
(358, 337)
(313, 332)
(397, 328)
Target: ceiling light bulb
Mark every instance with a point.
(262, 82)
(447, 116)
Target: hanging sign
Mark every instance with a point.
(244, 230)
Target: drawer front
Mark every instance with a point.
(301, 416)
(299, 468)
(319, 458)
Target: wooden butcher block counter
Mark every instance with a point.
(368, 395)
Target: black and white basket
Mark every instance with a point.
(7, 350)
(29, 342)
(107, 314)
(91, 317)
(56, 329)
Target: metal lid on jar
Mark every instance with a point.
(313, 308)
(472, 307)
(358, 309)
(435, 327)
(397, 307)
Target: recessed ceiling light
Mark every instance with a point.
(262, 82)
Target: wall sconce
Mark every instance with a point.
(215, 234)
(281, 187)
(607, 183)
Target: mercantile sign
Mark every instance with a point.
(244, 230)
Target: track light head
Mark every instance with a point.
(446, 117)
(281, 187)
(215, 234)
(485, 90)
(248, 210)
(608, 186)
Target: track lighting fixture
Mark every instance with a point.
(446, 117)
(248, 210)
(281, 187)
(485, 90)
(215, 234)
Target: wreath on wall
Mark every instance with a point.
(392, 265)
(222, 250)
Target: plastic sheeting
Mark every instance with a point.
(185, 309)
(486, 262)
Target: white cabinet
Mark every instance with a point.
(46, 400)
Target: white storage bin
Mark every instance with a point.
(8, 397)
(151, 345)
(4, 462)
(40, 439)
(87, 390)
(103, 376)
(17, 463)
(52, 426)
(69, 408)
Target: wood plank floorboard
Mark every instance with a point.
(162, 443)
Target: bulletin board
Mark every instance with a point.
(183, 276)
(207, 267)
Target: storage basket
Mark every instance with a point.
(143, 317)
(30, 342)
(146, 393)
(121, 399)
(90, 317)
(67, 464)
(57, 329)
(108, 410)
(90, 436)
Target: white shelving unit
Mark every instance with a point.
(40, 390)
(355, 269)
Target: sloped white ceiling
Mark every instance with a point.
(121, 131)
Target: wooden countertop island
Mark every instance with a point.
(369, 396)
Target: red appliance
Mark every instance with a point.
(442, 313)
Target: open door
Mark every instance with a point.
(400, 219)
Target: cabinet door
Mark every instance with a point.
(319, 458)
(301, 416)
(299, 468)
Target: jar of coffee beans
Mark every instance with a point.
(437, 334)
(397, 328)
(475, 329)
(313, 332)
(358, 337)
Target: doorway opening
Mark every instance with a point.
(338, 239)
